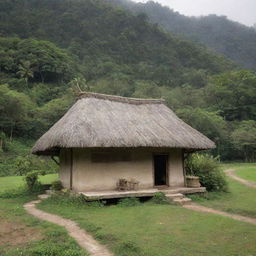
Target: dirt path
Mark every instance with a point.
(199, 208)
(85, 240)
(231, 174)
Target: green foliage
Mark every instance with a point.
(160, 198)
(66, 197)
(3, 143)
(106, 40)
(233, 93)
(98, 47)
(244, 139)
(33, 59)
(229, 38)
(15, 110)
(22, 165)
(207, 168)
(32, 181)
(209, 123)
(57, 185)
(15, 192)
(17, 160)
(129, 201)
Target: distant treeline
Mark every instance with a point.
(232, 39)
(49, 47)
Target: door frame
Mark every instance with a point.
(167, 168)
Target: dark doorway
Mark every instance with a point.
(160, 169)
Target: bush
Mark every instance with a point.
(131, 201)
(32, 181)
(207, 168)
(160, 198)
(57, 185)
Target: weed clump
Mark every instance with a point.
(57, 185)
(160, 198)
(130, 201)
(129, 249)
(67, 197)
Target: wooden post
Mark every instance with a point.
(71, 169)
(183, 166)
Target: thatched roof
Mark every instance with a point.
(104, 121)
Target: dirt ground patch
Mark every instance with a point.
(14, 233)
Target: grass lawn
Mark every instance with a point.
(144, 230)
(159, 230)
(21, 234)
(248, 173)
(239, 200)
(13, 182)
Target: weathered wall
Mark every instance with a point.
(176, 175)
(91, 176)
(88, 175)
(65, 164)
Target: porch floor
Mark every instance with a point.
(95, 195)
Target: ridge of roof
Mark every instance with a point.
(136, 101)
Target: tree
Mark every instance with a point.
(25, 71)
(16, 109)
(209, 123)
(244, 138)
(234, 94)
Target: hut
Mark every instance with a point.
(105, 142)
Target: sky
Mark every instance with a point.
(243, 11)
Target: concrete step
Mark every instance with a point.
(175, 196)
(182, 201)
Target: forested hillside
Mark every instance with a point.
(232, 39)
(49, 47)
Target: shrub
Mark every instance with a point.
(57, 185)
(207, 168)
(131, 201)
(160, 198)
(32, 181)
(22, 165)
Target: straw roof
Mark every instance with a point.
(106, 121)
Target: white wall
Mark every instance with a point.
(95, 176)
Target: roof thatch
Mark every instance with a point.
(103, 121)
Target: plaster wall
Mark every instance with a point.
(65, 166)
(100, 176)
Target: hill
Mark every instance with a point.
(232, 39)
(49, 48)
(108, 40)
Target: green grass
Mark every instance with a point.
(248, 173)
(13, 182)
(53, 240)
(239, 200)
(159, 230)
(144, 230)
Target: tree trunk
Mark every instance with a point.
(11, 133)
(42, 77)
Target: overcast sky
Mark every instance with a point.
(243, 11)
